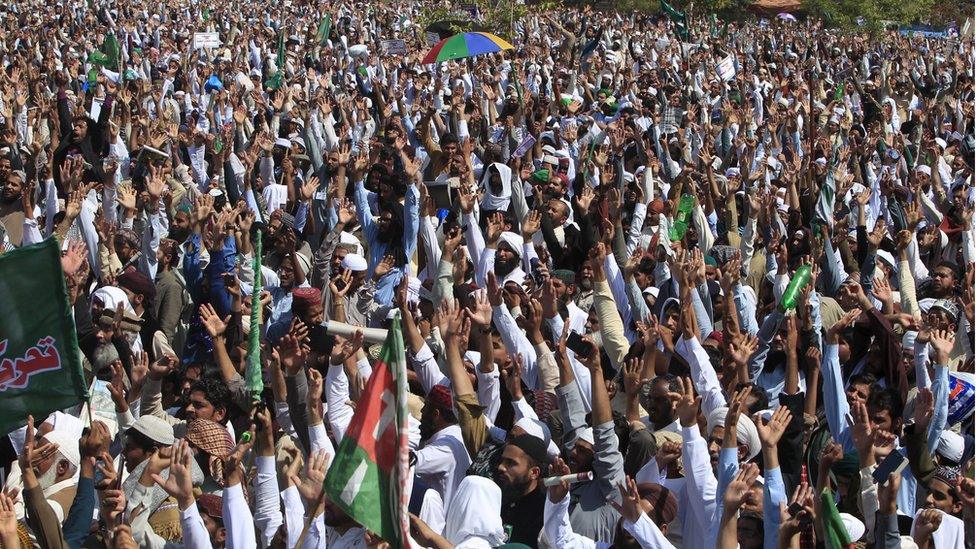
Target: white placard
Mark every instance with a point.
(206, 40)
(393, 47)
(726, 68)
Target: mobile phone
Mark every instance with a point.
(894, 463)
(576, 344)
(230, 279)
(320, 341)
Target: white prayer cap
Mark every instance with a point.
(941, 142)
(304, 262)
(886, 256)
(587, 435)
(922, 168)
(67, 445)
(349, 238)
(354, 262)
(951, 446)
(855, 528)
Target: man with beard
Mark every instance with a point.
(392, 234)
(656, 399)
(584, 285)
(352, 295)
(502, 254)
(141, 292)
(81, 136)
(520, 472)
(557, 298)
(591, 449)
(171, 296)
(11, 207)
(442, 462)
(49, 470)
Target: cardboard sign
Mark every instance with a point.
(393, 47)
(726, 68)
(206, 40)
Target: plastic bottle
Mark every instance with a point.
(681, 218)
(800, 280)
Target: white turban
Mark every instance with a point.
(746, 432)
(514, 241)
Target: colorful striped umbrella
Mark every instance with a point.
(466, 44)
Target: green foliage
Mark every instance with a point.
(845, 13)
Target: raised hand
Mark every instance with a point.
(94, 441)
(792, 523)
(162, 367)
(942, 342)
(924, 408)
(739, 491)
(741, 348)
(632, 378)
(127, 198)
(293, 354)
(179, 482)
(310, 487)
(840, 325)
(558, 492)
(346, 279)
(384, 266)
(346, 211)
(686, 403)
(770, 433)
(348, 347)
(513, 378)
(215, 326)
(72, 260)
(926, 523)
(9, 536)
(630, 506)
(233, 465)
(532, 224)
(481, 314)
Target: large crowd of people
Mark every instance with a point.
(723, 281)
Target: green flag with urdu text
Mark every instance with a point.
(40, 365)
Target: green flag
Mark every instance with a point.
(368, 475)
(109, 55)
(40, 365)
(277, 80)
(253, 379)
(678, 18)
(834, 530)
(824, 209)
(325, 28)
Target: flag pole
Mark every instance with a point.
(308, 520)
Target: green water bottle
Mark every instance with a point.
(800, 280)
(681, 219)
